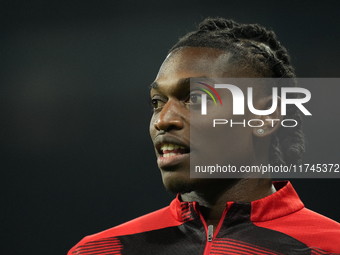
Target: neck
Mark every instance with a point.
(213, 198)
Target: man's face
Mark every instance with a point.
(170, 123)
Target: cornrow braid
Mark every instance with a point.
(260, 49)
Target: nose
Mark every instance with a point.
(172, 116)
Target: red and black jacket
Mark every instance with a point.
(277, 224)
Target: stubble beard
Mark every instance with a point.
(181, 187)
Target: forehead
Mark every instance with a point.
(191, 62)
(194, 62)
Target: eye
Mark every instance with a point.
(156, 103)
(195, 98)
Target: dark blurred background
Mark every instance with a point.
(76, 157)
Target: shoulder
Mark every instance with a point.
(310, 228)
(161, 218)
(284, 212)
(316, 230)
(320, 225)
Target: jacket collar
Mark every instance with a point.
(283, 202)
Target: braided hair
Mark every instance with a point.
(259, 49)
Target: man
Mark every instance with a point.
(221, 216)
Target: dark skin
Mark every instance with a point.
(171, 124)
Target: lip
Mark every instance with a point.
(172, 160)
(164, 139)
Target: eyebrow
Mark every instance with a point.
(182, 81)
(153, 85)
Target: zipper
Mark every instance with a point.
(210, 236)
(210, 230)
(210, 233)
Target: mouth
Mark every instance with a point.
(171, 152)
(171, 149)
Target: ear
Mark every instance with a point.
(271, 123)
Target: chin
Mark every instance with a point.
(176, 183)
